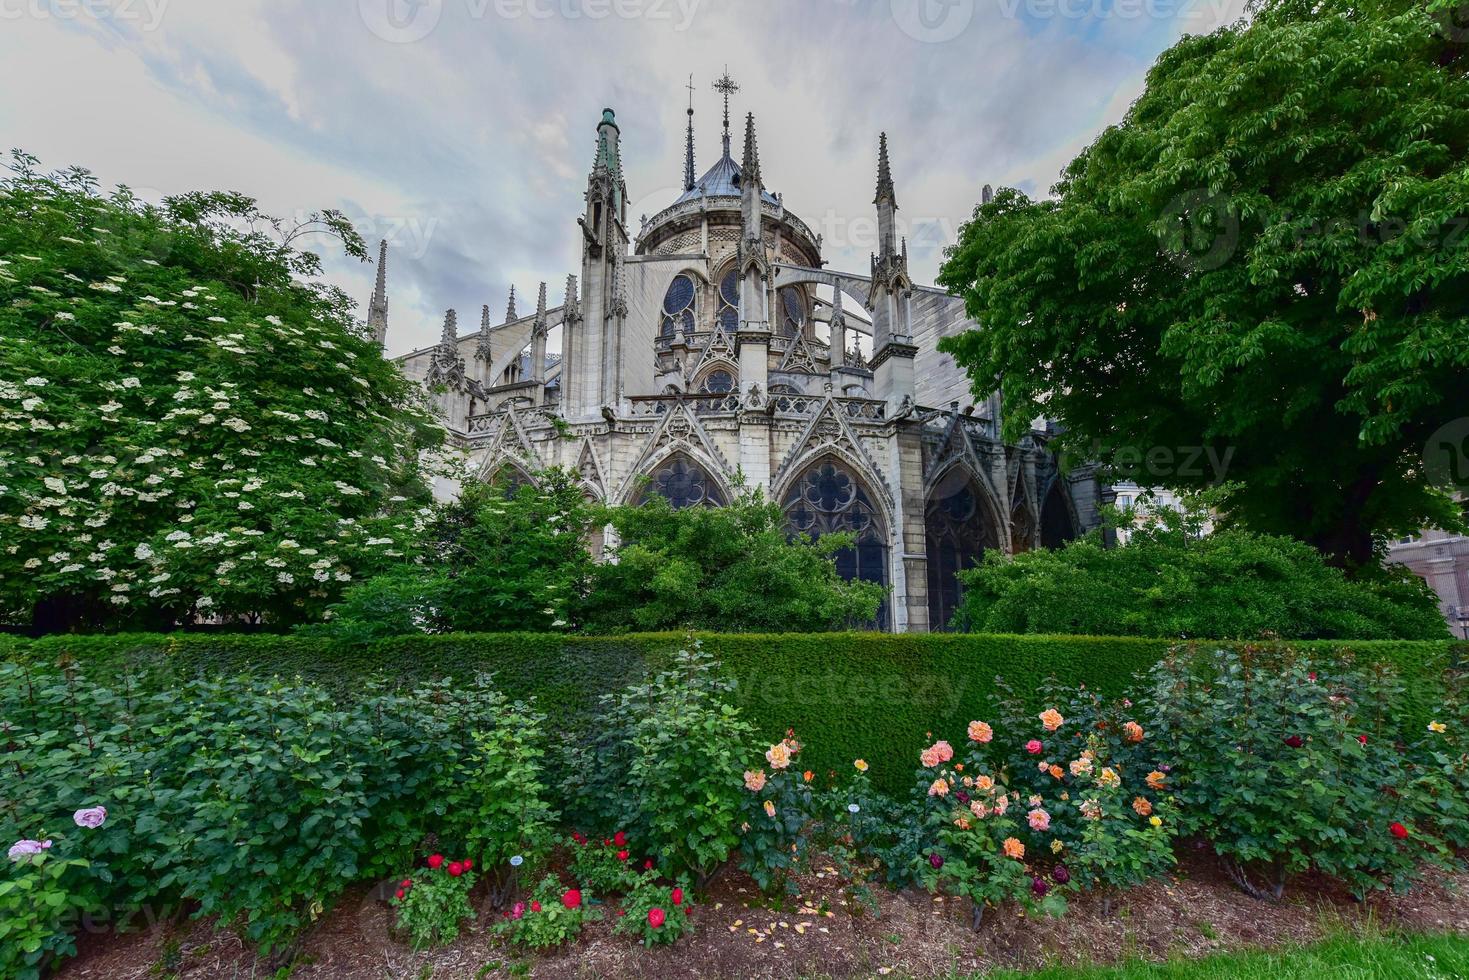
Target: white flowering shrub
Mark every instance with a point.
(192, 427)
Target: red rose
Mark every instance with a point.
(535, 906)
(1362, 739)
(1398, 831)
(572, 898)
(620, 839)
(456, 869)
(1294, 741)
(400, 893)
(1312, 675)
(435, 861)
(648, 865)
(655, 918)
(468, 864)
(677, 896)
(622, 855)
(579, 837)
(406, 883)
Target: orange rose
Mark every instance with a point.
(1142, 806)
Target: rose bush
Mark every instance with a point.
(432, 902)
(655, 912)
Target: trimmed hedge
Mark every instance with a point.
(847, 695)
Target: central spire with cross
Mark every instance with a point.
(726, 86)
(688, 163)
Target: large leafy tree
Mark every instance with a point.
(194, 426)
(494, 559)
(732, 569)
(1171, 580)
(1268, 260)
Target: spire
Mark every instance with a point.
(750, 168)
(540, 323)
(571, 308)
(726, 86)
(510, 307)
(884, 174)
(377, 308)
(688, 157)
(482, 350)
(449, 339)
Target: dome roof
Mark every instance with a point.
(721, 180)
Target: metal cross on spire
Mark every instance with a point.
(726, 86)
(688, 166)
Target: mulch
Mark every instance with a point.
(818, 933)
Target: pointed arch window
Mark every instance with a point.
(830, 498)
(792, 310)
(683, 483)
(678, 308)
(719, 382)
(958, 530)
(1056, 525)
(729, 301)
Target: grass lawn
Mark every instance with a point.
(1344, 958)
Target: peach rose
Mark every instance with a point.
(1051, 719)
(980, 732)
(755, 780)
(1014, 849)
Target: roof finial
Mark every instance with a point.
(449, 339)
(482, 347)
(884, 173)
(571, 309)
(510, 307)
(727, 87)
(377, 308)
(750, 168)
(688, 159)
(541, 308)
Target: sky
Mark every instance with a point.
(462, 131)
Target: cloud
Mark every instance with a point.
(463, 130)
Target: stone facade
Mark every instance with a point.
(712, 349)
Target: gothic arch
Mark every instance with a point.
(960, 525)
(829, 495)
(714, 366)
(1058, 521)
(681, 480)
(507, 473)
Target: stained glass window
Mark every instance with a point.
(958, 530)
(678, 308)
(683, 483)
(829, 498)
(729, 301)
(719, 383)
(792, 310)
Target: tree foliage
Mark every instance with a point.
(1170, 580)
(1268, 258)
(494, 559)
(191, 427)
(732, 569)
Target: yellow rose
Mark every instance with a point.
(778, 755)
(1437, 727)
(1155, 821)
(860, 765)
(769, 808)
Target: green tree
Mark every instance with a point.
(733, 569)
(1267, 258)
(194, 425)
(492, 560)
(1172, 580)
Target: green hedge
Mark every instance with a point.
(847, 695)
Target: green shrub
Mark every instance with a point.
(42, 890)
(684, 779)
(1167, 582)
(854, 695)
(554, 915)
(1287, 763)
(606, 866)
(655, 912)
(430, 905)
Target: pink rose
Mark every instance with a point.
(1034, 746)
(91, 818)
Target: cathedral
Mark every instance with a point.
(710, 350)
